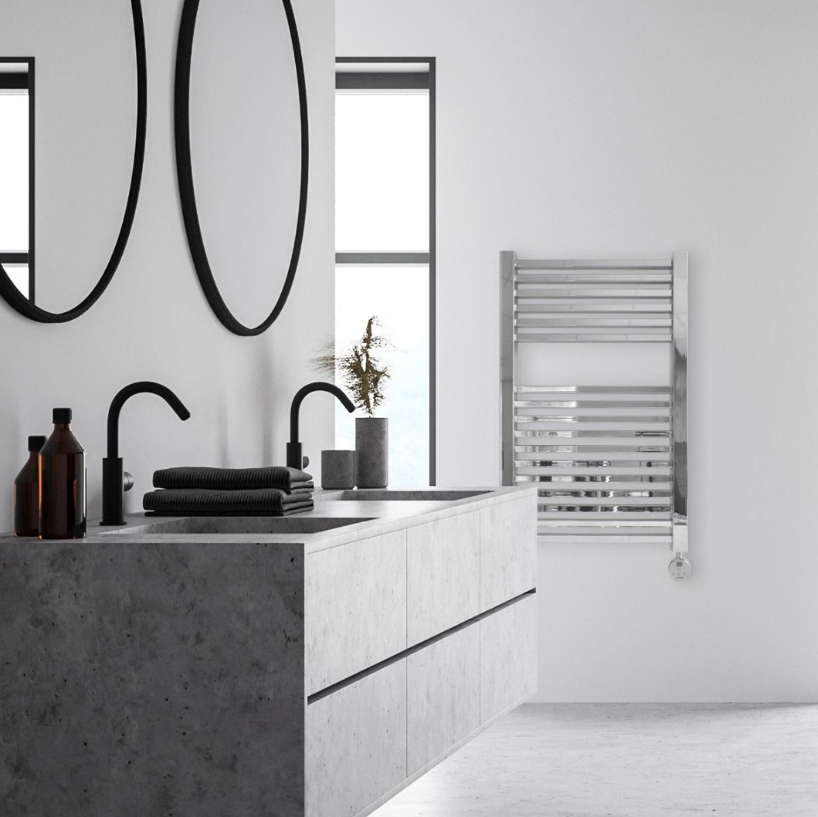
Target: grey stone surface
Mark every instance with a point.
(374, 518)
(356, 607)
(356, 743)
(163, 674)
(443, 695)
(508, 656)
(371, 452)
(408, 495)
(508, 551)
(443, 575)
(629, 760)
(337, 470)
(216, 526)
(150, 680)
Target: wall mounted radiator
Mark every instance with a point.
(607, 448)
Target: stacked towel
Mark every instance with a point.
(231, 479)
(270, 491)
(201, 502)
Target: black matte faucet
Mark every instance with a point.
(294, 458)
(112, 472)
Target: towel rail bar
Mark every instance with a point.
(610, 461)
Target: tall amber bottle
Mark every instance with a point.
(62, 482)
(27, 492)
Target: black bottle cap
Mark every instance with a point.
(61, 415)
(35, 443)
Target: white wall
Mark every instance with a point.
(153, 322)
(582, 128)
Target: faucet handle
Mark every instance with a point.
(305, 461)
(127, 481)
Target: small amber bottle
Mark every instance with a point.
(27, 492)
(62, 482)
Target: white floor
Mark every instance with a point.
(628, 760)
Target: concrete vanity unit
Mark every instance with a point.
(257, 667)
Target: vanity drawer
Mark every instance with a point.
(443, 581)
(508, 656)
(443, 704)
(356, 743)
(508, 551)
(356, 607)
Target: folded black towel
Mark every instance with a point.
(290, 510)
(233, 479)
(199, 502)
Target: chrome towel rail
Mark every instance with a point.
(602, 301)
(610, 462)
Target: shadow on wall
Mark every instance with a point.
(222, 429)
(264, 398)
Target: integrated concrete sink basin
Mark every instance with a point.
(288, 638)
(235, 524)
(417, 495)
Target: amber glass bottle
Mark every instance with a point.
(27, 492)
(62, 482)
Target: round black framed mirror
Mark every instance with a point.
(77, 89)
(234, 182)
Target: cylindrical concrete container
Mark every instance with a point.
(371, 452)
(337, 470)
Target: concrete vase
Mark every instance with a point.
(371, 452)
(337, 470)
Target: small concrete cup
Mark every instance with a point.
(337, 470)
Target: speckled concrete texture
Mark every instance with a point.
(356, 743)
(508, 656)
(146, 673)
(628, 760)
(356, 607)
(443, 696)
(146, 680)
(443, 575)
(371, 452)
(506, 568)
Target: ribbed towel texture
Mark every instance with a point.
(233, 479)
(271, 491)
(202, 502)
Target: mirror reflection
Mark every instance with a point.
(17, 172)
(69, 185)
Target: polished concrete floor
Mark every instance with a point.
(628, 760)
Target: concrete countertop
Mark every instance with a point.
(374, 518)
(179, 673)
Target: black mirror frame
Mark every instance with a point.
(9, 291)
(184, 172)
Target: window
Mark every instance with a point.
(17, 172)
(385, 245)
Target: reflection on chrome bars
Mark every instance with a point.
(610, 461)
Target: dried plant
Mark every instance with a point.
(362, 373)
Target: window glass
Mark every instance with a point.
(382, 171)
(399, 296)
(19, 276)
(14, 172)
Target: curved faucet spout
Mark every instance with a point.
(112, 470)
(141, 387)
(294, 459)
(308, 389)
